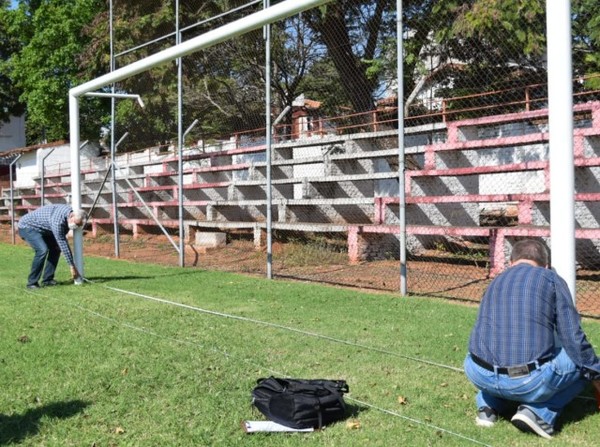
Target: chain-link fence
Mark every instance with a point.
(318, 196)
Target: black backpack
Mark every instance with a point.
(298, 403)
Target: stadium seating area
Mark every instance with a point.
(484, 178)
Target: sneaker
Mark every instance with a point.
(526, 420)
(33, 286)
(486, 417)
(49, 283)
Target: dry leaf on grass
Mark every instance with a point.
(353, 424)
(402, 400)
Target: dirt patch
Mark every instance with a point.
(433, 274)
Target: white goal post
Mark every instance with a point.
(558, 14)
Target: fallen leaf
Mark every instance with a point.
(353, 424)
(443, 384)
(124, 371)
(119, 430)
(24, 339)
(402, 400)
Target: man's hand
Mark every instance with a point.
(74, 272)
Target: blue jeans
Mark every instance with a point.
(546, 391)
(47, 252)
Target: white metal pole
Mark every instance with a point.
(269, 133)
(43, 176)
(113, 130)
(180, 143)
(401, 154)
(12, 198)
(76, 180)
(560, 116)
(246, 24)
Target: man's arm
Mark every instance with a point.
(60, 230)
(571, 334)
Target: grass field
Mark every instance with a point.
(144, 355)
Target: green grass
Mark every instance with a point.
(93, 366)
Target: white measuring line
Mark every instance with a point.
(417, 421)
(226, 354)
(325, 337)
(279, 326)
(299, 331)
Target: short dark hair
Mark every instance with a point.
(532, 250)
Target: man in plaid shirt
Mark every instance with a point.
(527, 349)
(46, 229)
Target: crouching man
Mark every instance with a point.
(514, 358)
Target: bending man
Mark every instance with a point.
(46, 229)
(527, 348)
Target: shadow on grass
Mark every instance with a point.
(354, 410)
(103, 279)
(15, 428)
(578, 410)
(106, 278)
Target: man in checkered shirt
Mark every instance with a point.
(46, 229)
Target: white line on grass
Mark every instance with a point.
(417, 421)
(275, 325)
(279, 326)
(300, 331)
(256, 365)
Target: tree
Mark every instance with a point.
(341, 54)
(492, 45)
(9, 94)
(352, 31)
(223, 85)
(139, 22)
(46, 65)
(586, 40)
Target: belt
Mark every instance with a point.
(511, 371)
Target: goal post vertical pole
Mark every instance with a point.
(560, 118)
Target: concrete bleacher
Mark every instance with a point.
(348, 184)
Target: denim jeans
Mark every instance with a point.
(546, 390)
(47, 252)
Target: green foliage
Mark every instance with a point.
(353, 32)
(342, 54)
(46, 66)
(9, 94)
(586, 44)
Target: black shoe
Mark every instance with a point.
(49, 283)
(526, 420)
(33, 286)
